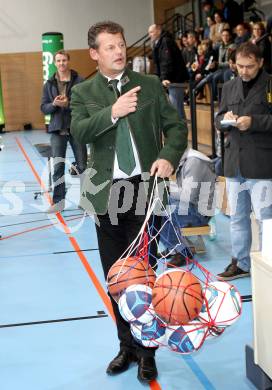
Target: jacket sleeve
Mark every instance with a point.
(223, 108)
(167, 59)
(87, 128)
(47, 106)
(261, 123)
(174, 130)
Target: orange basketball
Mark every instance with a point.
(177, 297)
(128, 271)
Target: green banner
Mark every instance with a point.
(2, 116)
(51, 43)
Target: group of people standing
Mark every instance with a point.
(135, 133)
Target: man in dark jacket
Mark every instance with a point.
(248, 152)
(56, 103)
(169, 65)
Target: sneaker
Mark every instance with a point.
(233, 272)
(177, 260)
(56, 208)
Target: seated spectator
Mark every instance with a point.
(190, 52)
(183, 43)
(260, 39)
(217, 29)
(242, 31)
(207, 29)
(192, 200)
(225, 48)
(205, 63)
(208, 10)
(232, 71)
(198, 65)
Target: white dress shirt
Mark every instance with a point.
(117, 172)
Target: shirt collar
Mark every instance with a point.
(118, 77)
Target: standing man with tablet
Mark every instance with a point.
(245, 115)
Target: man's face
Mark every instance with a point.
(154, 33)
(110, 53)
(191, 39)
(248, 67)
(62, 63)
(240, 30)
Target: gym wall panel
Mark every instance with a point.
(22, 85)
(22, 22)
(161, 6)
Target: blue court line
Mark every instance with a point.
(198, 372)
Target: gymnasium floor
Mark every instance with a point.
(56, 331)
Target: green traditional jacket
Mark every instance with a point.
(91, 105)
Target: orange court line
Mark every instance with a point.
(154, 385)
(27, 231)
(73, 241)
(34, 229)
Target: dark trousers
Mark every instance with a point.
(113, 240)
(59, 147)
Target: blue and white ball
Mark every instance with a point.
(150, 335)
(222, 304)
(186, 338)
(135, 304)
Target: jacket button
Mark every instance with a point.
(108, 169)
(110, 147)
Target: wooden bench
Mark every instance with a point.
(196, 231)
(199, 231)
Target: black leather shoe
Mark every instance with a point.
(177, 260)
(121, 362)
(147, 370)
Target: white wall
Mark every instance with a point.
(22, 22)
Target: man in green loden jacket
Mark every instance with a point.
(122, 115)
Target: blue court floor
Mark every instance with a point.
(56, 332)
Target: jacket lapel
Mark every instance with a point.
(104, 91)
(259, 85)
(240, 89)
(253, 91)
(126, 81)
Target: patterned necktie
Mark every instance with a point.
(124, 150)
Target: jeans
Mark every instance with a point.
(244, 196)
(176, 97)
(59, 147)
(214, 79)
(170, 235)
